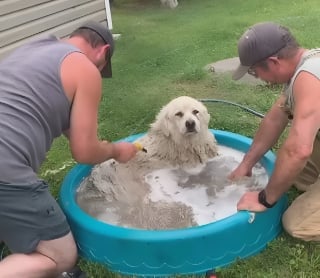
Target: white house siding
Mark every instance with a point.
(21, 20)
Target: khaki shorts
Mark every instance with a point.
(302, 218)
(310, 173)
(29, 214)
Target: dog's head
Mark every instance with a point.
(181, 117)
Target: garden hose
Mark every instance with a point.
(235, 104)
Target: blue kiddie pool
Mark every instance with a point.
(179, 251)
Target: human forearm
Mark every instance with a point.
(267, 135)
(93, 153)
(290, 162)
(288, 165)
(103, 150)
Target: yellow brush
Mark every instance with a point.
(139, 147)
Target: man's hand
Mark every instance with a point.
(240, 172)
(249, 201)
(124, 151)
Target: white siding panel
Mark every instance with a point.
(60, 31)
(48, 22)
(10, 6)
(37, 12)
(23, 20)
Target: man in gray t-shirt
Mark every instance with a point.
(269, 51)
(48, 87)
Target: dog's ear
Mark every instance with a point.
(161, 123)
(205, 114)
(206, 117)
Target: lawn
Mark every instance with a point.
(161, 54)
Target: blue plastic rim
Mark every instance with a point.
(169, 252)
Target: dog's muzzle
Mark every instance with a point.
(191, 126)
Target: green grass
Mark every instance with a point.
(161, 55)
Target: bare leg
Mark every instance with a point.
(50, 258)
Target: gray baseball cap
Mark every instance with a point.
(107, 37)
(259, 42)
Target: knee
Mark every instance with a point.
(302, 227)
(68, 260)
(293, 224)
(288, 222)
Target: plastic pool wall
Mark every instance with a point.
(179, 251)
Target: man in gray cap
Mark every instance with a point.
(269, 51)
(104, 34)
(48, 87)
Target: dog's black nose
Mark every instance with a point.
(190, 125)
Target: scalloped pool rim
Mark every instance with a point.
(177, 251)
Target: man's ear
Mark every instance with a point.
(104, 49)
(274, 60)
(107, 47)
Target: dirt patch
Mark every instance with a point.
(227, 66)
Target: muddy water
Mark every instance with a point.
(167, 198)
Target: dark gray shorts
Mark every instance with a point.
(29, 214)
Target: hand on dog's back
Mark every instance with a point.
(124, 151)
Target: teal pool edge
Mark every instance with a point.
(180, 251)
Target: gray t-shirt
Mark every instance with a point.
(309, 62)
(33, 107)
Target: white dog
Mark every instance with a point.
(179, 138)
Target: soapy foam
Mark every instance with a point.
(174, 198)
(206, 188)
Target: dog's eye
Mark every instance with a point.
(195, 112)
(179, 114)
